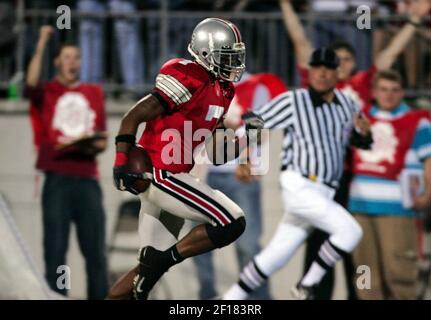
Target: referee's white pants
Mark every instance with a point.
(307, 205)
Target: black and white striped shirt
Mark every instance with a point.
(316, 133)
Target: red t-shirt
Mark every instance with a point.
(358, 86)
(393, 139)
(193, 101)
(60, 114)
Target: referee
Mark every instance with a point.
(319, 123)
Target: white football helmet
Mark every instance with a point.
(216, 45)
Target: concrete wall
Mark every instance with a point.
(17, 183)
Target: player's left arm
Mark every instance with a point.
(224, 145)
(220, 143)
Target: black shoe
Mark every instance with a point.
(149, 272)
(301, 292)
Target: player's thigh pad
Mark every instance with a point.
(148, 222)
(186, 196)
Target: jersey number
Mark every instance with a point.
(214, 112)
(185, 62)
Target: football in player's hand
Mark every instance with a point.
(140, 162)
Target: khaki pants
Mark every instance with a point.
(389, 248)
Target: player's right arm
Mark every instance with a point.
(301, 43)
(146, 109)
(175, 85)
(177, 81)
(35, 66)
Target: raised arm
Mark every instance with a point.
(418, 10)
(301, 43)
(35, 66)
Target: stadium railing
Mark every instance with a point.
(165, 34)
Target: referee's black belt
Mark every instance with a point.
(312, 178)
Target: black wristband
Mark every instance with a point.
(127, 138)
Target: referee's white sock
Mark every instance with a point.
(235, 293)
(326, 259)
(250, 279)
(314, 275)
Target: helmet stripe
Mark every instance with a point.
(234, 29)
(237, 33)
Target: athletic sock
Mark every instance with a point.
(250, 279)
(326, 259)
(161, 260)
(314, 275)
(172, 257)
(236, 292)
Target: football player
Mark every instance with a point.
(188, 95)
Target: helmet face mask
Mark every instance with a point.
(216, 45)
(230, 62)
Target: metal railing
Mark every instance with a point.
(164, 34)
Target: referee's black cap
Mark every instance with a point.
(324, 57)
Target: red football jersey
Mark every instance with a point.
(194, 100)
(59, 115)
(358, 86)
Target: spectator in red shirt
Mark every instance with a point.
(69, 125)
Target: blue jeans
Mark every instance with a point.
(79, 200)
(180, 31)
(127, 38)
(247, 196)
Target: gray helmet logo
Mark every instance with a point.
(216, 44)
